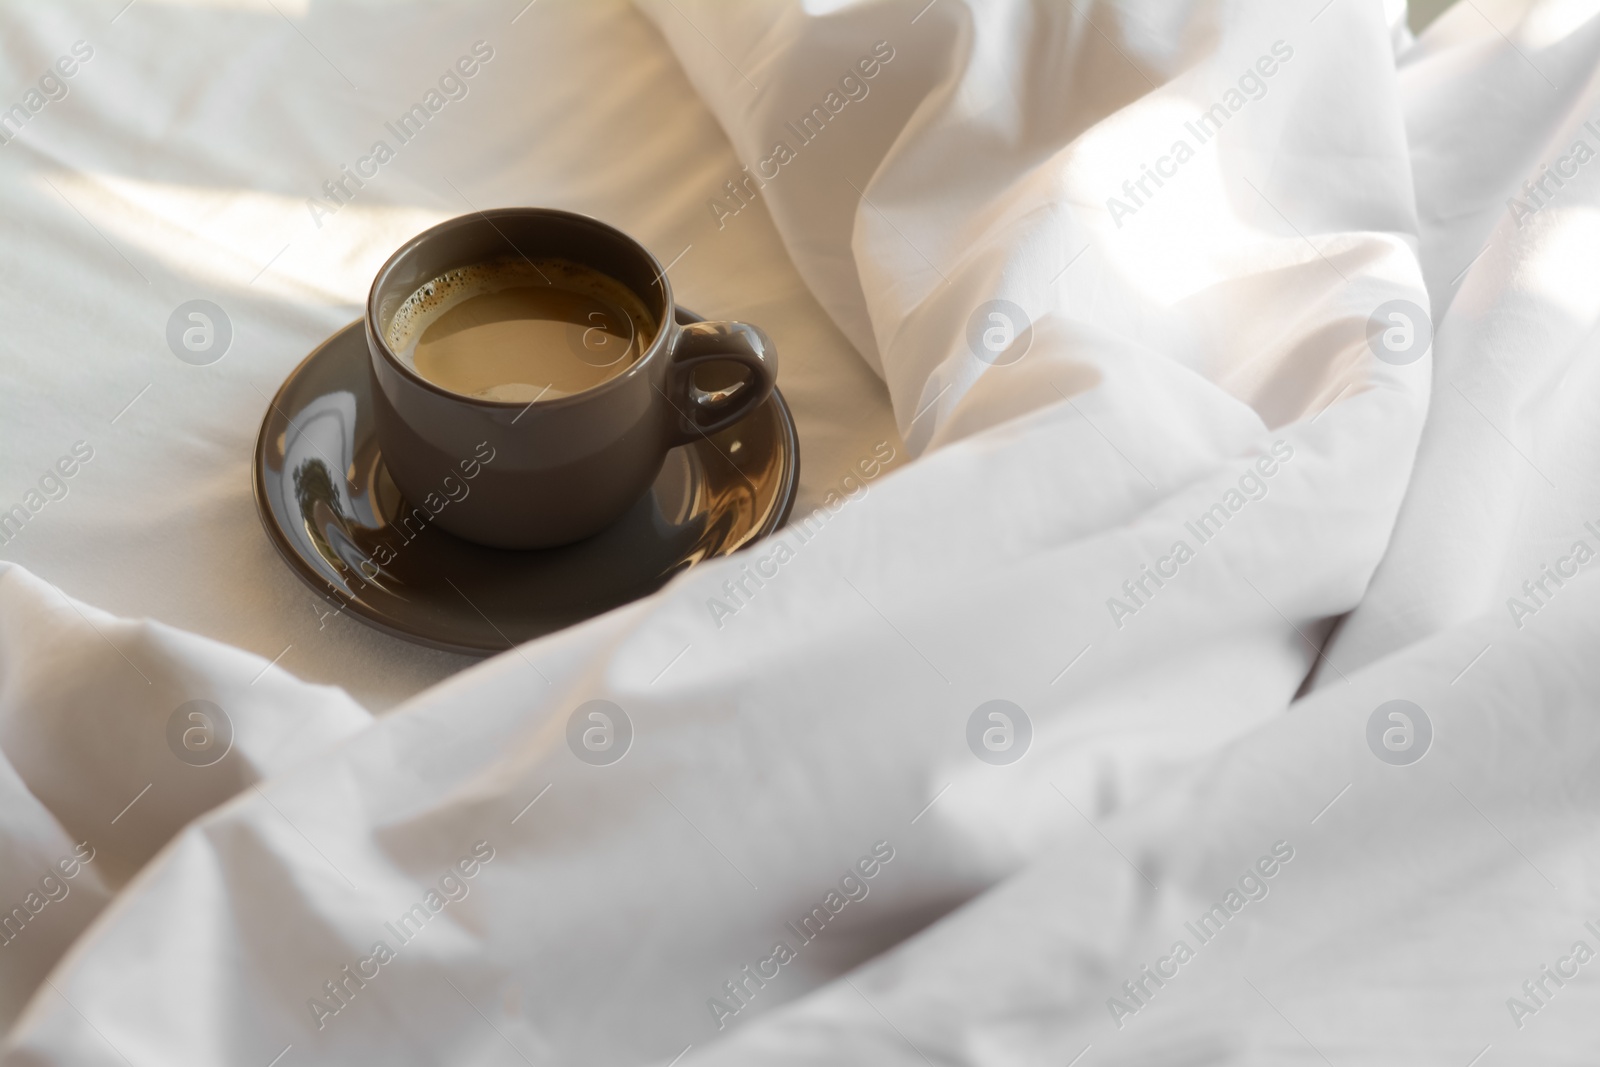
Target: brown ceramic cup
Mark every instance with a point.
(565, 468)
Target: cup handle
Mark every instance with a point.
(702, 412)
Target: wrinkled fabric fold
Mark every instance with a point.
(114, 734)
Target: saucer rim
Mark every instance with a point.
(788, 491)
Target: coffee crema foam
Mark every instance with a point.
(521, 330)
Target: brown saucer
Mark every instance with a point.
(329, 507)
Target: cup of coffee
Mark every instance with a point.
(535, 352)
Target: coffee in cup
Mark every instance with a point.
(521, 329)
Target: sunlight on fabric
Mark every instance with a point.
(295, 9)
(1152, 196)
(1561, 269)
(1553, 22)
(267, 242)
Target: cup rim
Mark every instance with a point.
(376, 339)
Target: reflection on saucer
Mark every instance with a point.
(333, 513)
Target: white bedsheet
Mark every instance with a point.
(1201, 344)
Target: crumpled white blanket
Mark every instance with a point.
(822, 841)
